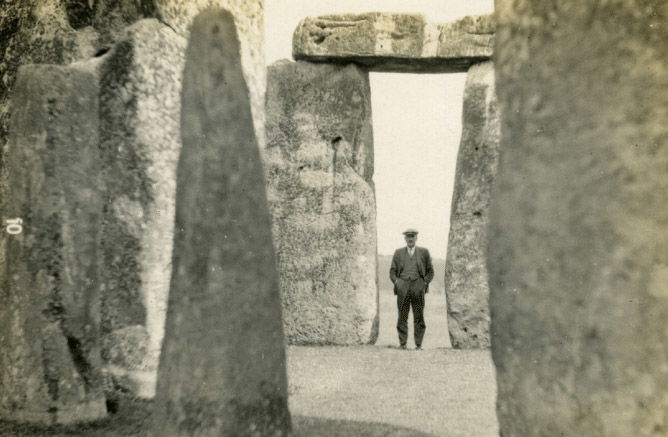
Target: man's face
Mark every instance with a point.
(410, 239)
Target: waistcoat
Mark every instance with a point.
(410, 270)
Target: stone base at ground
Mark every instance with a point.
(222, 369)
(320, 164)
(466, 278)
(395, 42)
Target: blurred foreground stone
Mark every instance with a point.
(222, 370)
(249, 19)
(578, 252)
(320, 167)
(49, 321)
(395, 42)
(466, 278)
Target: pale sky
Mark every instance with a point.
(416, 120)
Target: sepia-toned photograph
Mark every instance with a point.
(318, 218)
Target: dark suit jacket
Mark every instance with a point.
(425, 268)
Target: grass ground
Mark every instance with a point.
(437, 391)
(436, 336)
(360, 391)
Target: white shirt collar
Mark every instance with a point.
(411, 251)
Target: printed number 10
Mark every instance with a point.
(14, 226)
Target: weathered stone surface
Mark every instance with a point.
(33, 31)
(37, 31)
(395, 42)
(466, 281)
(579, 219)
(249, 19)
(55, 32)
(50, 367)
(139, 113)
(140, 142)
(222, 370)
(320, 165)
(65, 31)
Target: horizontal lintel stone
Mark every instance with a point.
(395, 42)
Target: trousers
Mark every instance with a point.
(413, 298)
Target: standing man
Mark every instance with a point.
(411, 273)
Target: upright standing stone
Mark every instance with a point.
(320, 166)
(55, 32)
(50, 285)
(466, 285)
(32, 31)
(139, 111)
(578, 251)
(222, 370)
(140, 141)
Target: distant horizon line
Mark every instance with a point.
(390, 254)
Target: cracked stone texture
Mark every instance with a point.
(65, 31)
(466, 278)
(140, 221)
(140, 142)
(53, 32)
(56, 32)
(140, 119)
(222, 370)
(319, 161)
(579, 219)
(395, 42)
(50, 366)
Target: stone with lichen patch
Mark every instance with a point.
(140, 140)
(50, 366)
(466, 276)
(320, 165)
(54, 32)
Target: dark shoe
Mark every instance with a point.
(418, 347)
(402, 346)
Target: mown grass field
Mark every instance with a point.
(437, 391)
(359, 391)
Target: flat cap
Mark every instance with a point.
(410, 231)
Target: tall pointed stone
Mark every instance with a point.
(49, 280)
(249, 19)
(222, 370)
(578, 252)
(477, 162)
